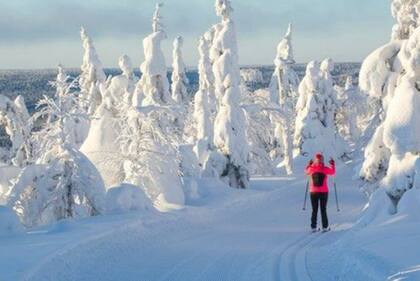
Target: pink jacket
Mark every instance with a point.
(319, 177)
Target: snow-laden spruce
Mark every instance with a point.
(401, 132)
(62, 183)
(406, 14)
(67, 185)
(151, 160)
(15, 119)
(380, 75)
(263, 147)
(91, 76)
(230, 161)
(153, 87)
(203, 100)
(101, 146)
(179, 75)
(69, 98)
(316, 129)
(284, 82)
(353, 112)
(283, 93)
(147, 138)
(391, 161)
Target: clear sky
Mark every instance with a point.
(42, 33)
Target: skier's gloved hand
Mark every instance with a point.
(332, 162)
(310, 162)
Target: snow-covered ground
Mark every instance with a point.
(258, 234)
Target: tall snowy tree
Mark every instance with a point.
(203, 99)
(148, 140)
(92, 75)
(315, 124)
(229, 131)
(101, 146)
(381, 74)
(283, 93)
(179, 75)
(153, 87)
(284, 82)
(392, 160)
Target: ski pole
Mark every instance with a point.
(336, 196)
(306, 195)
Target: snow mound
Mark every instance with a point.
(101, 146)
(126, 198)
(9, 222)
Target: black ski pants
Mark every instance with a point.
(317, 199)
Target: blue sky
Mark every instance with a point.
(41, 33)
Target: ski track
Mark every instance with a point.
(231, 242)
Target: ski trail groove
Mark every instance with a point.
(283, 255)
(300, 259)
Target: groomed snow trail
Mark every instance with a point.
(258, 234)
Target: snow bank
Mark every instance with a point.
(9, 222)
(125, 198)
(101, 146)
(7, 174)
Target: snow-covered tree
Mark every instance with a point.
(315, 124)
(353, 113)
(62, 183)
(92, 75)
(284, 82)
(406, 13)
(179, 75)
(153, 87)
(203, 115)
(283, 93)
(392, 157)
(101, 146)
(68, 98)
(231, 163)
(150, 157)
(14, 117)
(66, 186)
(263, 147)
(381, 74)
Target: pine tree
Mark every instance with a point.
(179, 76)
(229, 132)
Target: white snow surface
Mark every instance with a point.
(125, 198)
(258, 234)
(9, 223)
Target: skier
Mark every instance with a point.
(318, 188)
